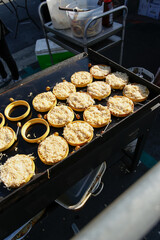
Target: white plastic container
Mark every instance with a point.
(78, 20)
(59, 17)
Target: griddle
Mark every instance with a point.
(17, 206)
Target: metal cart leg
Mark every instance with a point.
(125, 12)
(49, 49)
(123, 33)
(133, 152)
(138, 151)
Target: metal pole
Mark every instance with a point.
(125, 12)
(123, 34)
(130, 216)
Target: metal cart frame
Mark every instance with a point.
(99, 43)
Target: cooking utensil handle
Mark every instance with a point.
(66, 9)
(98, 190)
(73, 9)
(75, 228)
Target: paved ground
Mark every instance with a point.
(141, 48)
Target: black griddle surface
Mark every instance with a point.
(27, 91)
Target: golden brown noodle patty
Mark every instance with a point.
(78, 133)
(63, 90)
(7, 138)
(53, 149)
(117, 80)
(79, 101)
(99, 89)
(100, 71)
(81, 79)
(59, 116)
(136, 92)
(17, 170)
(97, 116)
(120, 106)
(43, 102)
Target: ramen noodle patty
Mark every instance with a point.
(99, 89)
(79, 101)
(81, 79)
(100, 71)
(120, 106)
(97, 116)
(117, 80)
(43, 102)
(136, 92)
(59, 116)
(78, 133)
(53, 149)
(17, 170)
(63, 90)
